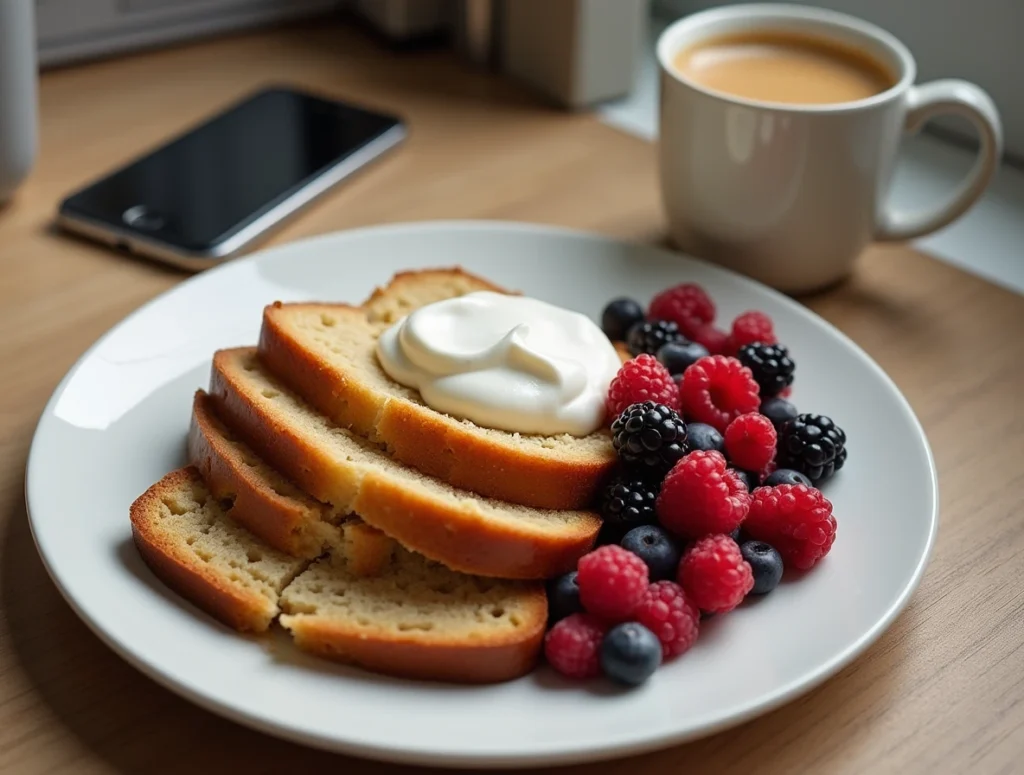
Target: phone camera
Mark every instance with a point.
(143, 218)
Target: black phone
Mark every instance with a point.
(220, 187)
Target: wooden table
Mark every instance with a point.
(942, 691)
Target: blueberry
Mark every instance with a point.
(619, 316)
(656, 548)
(678, 356)
(630, 653)
(766, 563)
(563, 597)
(750, 479)
(779, 411)
(735, 535)
(785, 476)
(704, 437)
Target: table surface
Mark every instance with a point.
(941, 691)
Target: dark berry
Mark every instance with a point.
(704, 437)
(651, 336)
(765, 562)
(678, 356)
(656, 548)
(630, 653)
(785, 476)
(750, 479)
(779, 411)
(563, 598)
(619, 316)
(650, 434)
(813, 445)
(735, 534)
(771, 366)
(628, 500)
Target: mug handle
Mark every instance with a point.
(959, 98)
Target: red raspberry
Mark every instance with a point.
(611, 582)
(701, 496)
(752, 327)
(687, 305)
(573, 646)
(668, 613)
(714, 339)
(716, 390)
(750, 441)
(715, 575)
(795, 519)
(641, 379)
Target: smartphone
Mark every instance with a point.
(219, 188)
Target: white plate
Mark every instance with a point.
(117, 423)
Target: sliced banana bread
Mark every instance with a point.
(460, 529)
(326, 353)
(184, 535)
(417, 619)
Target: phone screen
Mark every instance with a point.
(207, 184)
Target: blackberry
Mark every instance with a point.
(650, 336)
(779, 411)
(813, 445)
(651, 435)
(619, 316)
(627, 501)
(771, 365)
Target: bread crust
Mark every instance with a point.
(407, 656)
(239, 608)
(456, 535)
(293, 524)
(494, 465)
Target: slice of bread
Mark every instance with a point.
(327, 354)
(188, 541)
(460, 529)
(413, 618)
(254, 494)
(418, 620)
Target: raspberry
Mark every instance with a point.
(794, 518)
(701, 496)
(573, 646)
(611, 582)
(714, 339)
(641, 379)
(687, 305)
(716, 390)
(715, 575)
(750, 441)
(752, 327)
(668, 613)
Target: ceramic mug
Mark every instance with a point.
(791, 194)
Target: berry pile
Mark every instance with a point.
(715, 495)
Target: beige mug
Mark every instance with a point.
(791, 194)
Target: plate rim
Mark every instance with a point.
(540, 755)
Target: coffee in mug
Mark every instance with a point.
(782, 67)
(780, 128)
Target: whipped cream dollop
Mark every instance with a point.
(507, 362)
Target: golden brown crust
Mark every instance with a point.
(290, 524)
(494, 465)
(462, 539)
(498, 659)
(194, 580)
